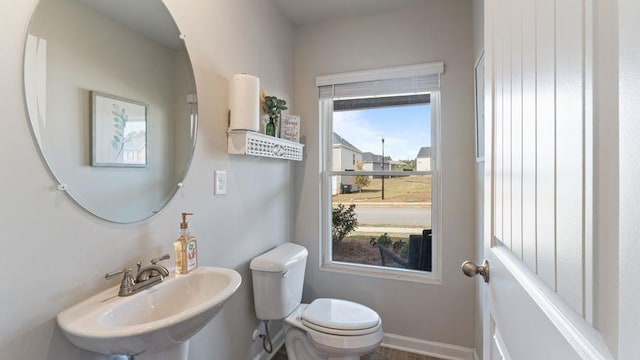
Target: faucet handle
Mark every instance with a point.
(158, 259)
(128, 283)
(125, 271)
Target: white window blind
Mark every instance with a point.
(403, 80)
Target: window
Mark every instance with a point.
(380, 216)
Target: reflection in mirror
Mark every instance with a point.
(131, 54)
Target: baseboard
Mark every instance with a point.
(399, 342)
(430, 348)
(475, 355)
(277, 341)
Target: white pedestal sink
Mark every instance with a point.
(155, 323)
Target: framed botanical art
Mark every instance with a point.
(119, 128)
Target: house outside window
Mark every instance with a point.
(342, 152)
(380, 214)
(423, 159)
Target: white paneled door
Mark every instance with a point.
(538, 180)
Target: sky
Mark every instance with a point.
(406, 129)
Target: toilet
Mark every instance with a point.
(326, 329)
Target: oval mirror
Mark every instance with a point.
(111, 98)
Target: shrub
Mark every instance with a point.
(404, 249)
(361, 181)
(384, 240)
(344, 221)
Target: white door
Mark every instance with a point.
(629, 90)
(538, 181)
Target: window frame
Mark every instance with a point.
(326, 172)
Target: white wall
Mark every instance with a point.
(433, 30)
(343, 158)
(55, 254)
(423, 164)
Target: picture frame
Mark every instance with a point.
(290, 127)
(478, 86)
(119, 131)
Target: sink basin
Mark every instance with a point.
(158, 320)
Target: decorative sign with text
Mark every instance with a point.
(290, 127)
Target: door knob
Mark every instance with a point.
(471, 269)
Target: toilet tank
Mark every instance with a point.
(278, 276)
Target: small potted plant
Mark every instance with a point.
(273, 107)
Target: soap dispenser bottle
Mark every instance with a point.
(186, 248)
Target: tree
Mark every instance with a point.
(361, 181)
(409, 164)
(344, 221)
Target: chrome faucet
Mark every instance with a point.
(145, 276)
(153, 270)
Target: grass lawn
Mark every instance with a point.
(406, 189)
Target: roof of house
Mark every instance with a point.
(425, 152)
(339, 140)
(369, 157)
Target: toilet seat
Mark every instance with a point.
(335, 343)
(337, 332)
(340, 317)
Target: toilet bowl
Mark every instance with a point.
(313, 333)
(325, 329)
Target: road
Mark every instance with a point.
(396, 216)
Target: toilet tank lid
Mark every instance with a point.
(279, 259)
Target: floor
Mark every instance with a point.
(381, 353)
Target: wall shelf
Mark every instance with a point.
(245, 142)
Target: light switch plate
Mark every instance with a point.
(220, 182)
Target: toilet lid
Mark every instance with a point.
(334, 314)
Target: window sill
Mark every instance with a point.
(383, 273)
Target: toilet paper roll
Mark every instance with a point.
(244, 102)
